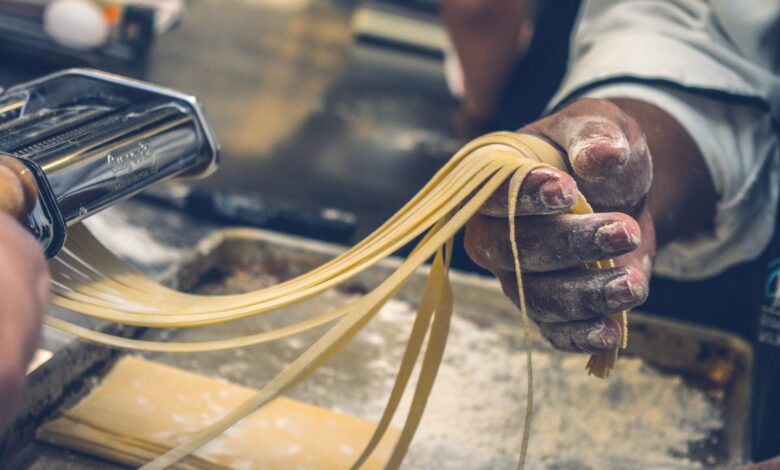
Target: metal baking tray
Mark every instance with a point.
(678, 398)
(675, 379)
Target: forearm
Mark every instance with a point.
(682, 196)
(485, 36)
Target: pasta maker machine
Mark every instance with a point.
(91, 139)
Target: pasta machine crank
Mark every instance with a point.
(82, 140)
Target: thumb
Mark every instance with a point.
(606, 150)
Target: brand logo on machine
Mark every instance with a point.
(131, 164)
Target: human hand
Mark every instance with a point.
(24, 283)
(610, 163)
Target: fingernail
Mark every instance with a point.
(555, 194)
(621, 291)
(603, 338)
(615, 237)
(600, 156)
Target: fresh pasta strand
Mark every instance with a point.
(89, 280)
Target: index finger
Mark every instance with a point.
(544, 191)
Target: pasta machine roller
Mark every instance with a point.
(82, 140)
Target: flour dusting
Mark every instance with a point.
(637, 418)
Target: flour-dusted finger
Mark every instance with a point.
(594, 336)
(544, 191)
(578, 294)
(550, 243)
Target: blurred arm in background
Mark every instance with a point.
(489, 37)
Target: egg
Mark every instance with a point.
(79, 24)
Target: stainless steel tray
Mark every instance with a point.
(678, 399)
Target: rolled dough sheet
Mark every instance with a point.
(143, 408)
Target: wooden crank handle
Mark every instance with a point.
(18, 193)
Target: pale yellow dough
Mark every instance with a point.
(143, 408)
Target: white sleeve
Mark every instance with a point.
(740, 147)
(723, 48)
(712, 65)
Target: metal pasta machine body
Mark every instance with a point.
(88, 139)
